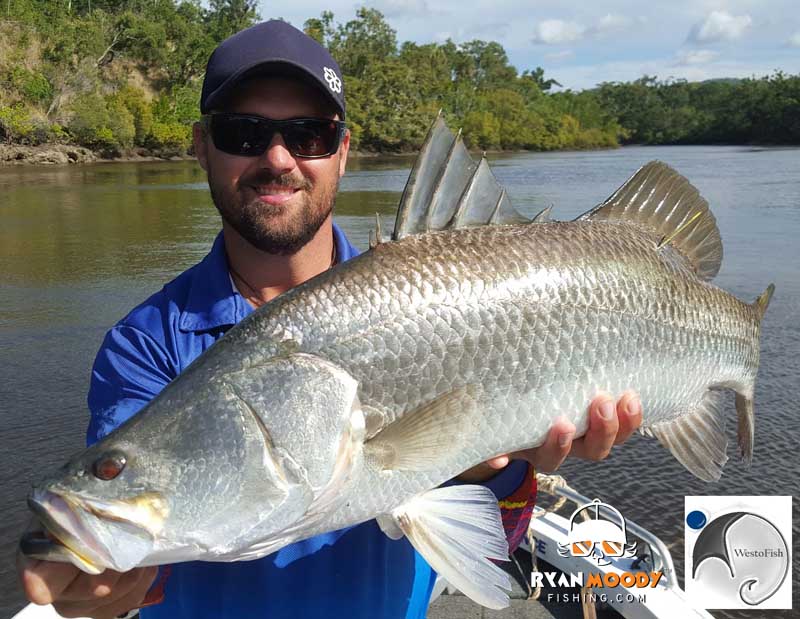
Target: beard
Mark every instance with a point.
(279, 229)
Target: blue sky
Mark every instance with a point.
(581, 43)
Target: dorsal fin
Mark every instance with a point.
(543, 216)
(658, 197)
(447, 189)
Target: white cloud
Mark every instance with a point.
(404, 8)
(556, 31)
(562, 55)
(493, 30)
(559, 31)
(695, 57)
(612, 23)
(719, 26)
(582, 76)
(650, 43)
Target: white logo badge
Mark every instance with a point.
(334, 83)
(596, 538)
(738, 551)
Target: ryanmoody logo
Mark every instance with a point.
(596, 538)
(599, 542)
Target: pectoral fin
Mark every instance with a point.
(458, 530)
(422, 438)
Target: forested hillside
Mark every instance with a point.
(122, 75)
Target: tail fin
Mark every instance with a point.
(762, 303)
(697, 439)
(744, 431)
(744, 399)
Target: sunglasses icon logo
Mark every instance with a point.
(591, 536)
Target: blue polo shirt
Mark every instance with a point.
(353, 572)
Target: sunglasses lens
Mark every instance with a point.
(582, 549)
(311, 138)
(251, 136)
(612, 549)
(237, 135)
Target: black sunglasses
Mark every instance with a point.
(250, 136)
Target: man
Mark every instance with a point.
(274, 148)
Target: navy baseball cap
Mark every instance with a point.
(270, 48)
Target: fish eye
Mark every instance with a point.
(109, 465)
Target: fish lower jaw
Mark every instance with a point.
(62, 523)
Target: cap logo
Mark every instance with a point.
(334, 83)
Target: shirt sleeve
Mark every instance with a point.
(130, 369)
(517, 506)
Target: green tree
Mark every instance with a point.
(482, 130)
(125, 72)
(537, 77)
(320, 28)
(227, 17)
(363, 41)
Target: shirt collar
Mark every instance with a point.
(213, 303)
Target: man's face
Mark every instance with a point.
(277, 202)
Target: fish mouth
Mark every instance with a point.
(93, 533)
(66, 537)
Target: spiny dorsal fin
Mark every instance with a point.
(543, 216)
(375, 236)
(484, 202)
(447, 189)
(658, 197)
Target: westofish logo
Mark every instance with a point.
(766, 552)
(739, 557)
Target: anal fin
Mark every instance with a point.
(697, 439)
(458, 530)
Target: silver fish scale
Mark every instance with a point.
(540, 317)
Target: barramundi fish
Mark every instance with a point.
(359, 393)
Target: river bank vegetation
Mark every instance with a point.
(121, 77)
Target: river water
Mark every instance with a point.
(80, 246)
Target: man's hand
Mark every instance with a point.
(74, 593)
(609, 425)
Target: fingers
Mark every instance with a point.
(500, 462)
(127, 593)
(629, 416)
(135, 595)
(549, 456)
(596, 444)
(44, 581)
(87, 587)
